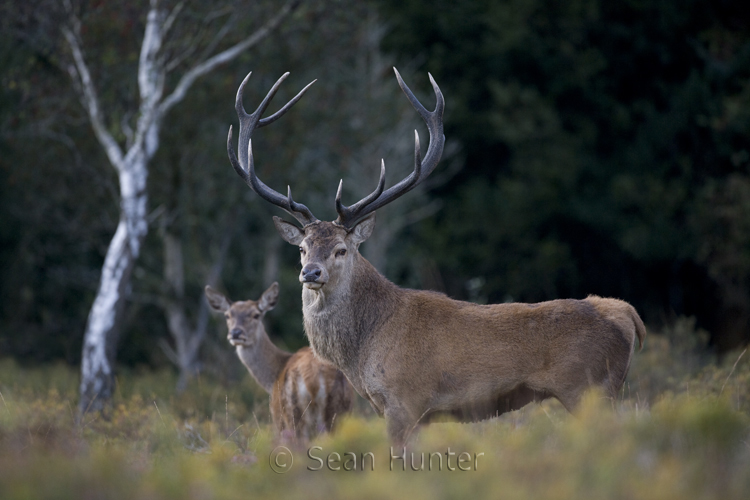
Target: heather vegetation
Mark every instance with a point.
(680, 429)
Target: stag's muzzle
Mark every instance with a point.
(312, 277)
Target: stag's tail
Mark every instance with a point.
(640, 328)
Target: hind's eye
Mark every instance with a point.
(256, 315)
(301, 251)
(341, 252)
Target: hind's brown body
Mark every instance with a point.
(307, 394)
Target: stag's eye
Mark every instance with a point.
(301, 251)
(341, 252)
(256, 316)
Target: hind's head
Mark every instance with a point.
(244, 318)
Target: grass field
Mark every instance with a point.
(680, 430)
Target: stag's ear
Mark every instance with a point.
(269, 298)
(362, 230)
(291, 233)
(216, 300)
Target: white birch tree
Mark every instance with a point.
(130, 161)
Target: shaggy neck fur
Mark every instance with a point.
(263, 360)
(338, 322)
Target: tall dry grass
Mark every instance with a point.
(680, 429)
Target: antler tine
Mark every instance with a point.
(296, 210)
(346, 213)
(233, 159)
(266, 121)
(299, 208)
(245, 166)
(434, 121)
(249, 122)
(238, 98)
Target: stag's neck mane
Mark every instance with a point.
(340, 321)
(264, 361)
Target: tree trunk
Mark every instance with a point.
(105, 318)
(187, 341)
(271, 265)
(188, 337)
(102, 328)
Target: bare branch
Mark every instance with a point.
(81, 76)
(219, 37)
(191, 49)
(218, 13)
(173, 63)
(208, 65)
(150, 78)
(172, 17)
(211, 278)
(169, 352)
(126, 128)
(420, 213)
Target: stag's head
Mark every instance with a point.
(329, 250)
(244, 318)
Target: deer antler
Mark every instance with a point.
(245, 167)
(378, 198)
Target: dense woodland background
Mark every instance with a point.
(593, 148)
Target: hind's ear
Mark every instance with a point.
(216, 300)
(269, 298)
(291, 233)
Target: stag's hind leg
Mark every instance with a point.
(616, 378)
(610, 380)
(570, 399)
(400, 424)
(571, 391)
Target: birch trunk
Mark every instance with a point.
(102, 327)
(105, 319)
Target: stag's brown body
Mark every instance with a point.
(417, 354)
(307, 394)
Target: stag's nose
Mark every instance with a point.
(311, 273)
(235, 333)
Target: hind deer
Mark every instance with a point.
(418, 354)
(307, 394)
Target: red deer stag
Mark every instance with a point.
(416, 354)
(307, 394)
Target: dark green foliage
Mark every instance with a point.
(605, 149)
(55, 209)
